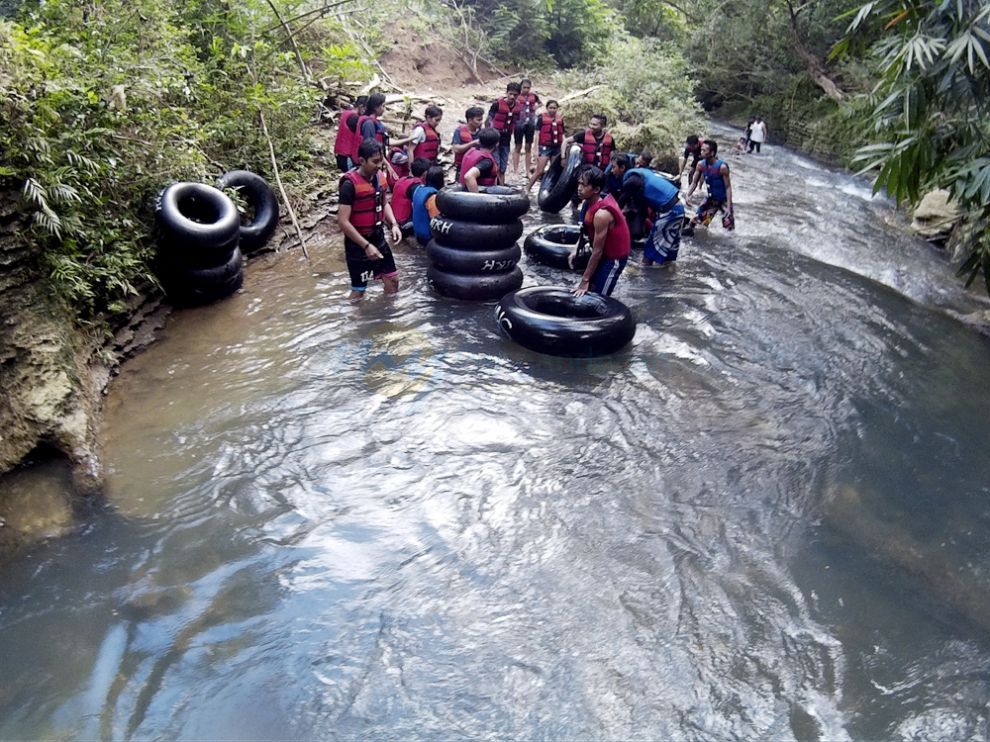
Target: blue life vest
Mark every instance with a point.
(716, 186)
(659, 191)
(420, 216)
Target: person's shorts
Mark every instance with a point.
(525, 131)
(549, 150)
(343, 163)
(502, 155)
(606, 276)
(665, 238)
(363, 269)
(709, 210)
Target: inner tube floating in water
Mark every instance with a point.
(551, 320)
(559, 183)
(490, 205)
(552, 245)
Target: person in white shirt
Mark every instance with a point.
(758, 135)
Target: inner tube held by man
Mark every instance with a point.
(552, 320)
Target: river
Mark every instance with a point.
(767, 518)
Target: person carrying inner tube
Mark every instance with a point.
(605, 227)
(363, 212)
(479, 167)
(649, 192)
(424, 204)
(596, 143)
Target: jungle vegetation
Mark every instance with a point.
(103, 103)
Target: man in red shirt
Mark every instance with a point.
(605, 228)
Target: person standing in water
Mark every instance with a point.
(363, 214)
(715, 173)
(604, 226)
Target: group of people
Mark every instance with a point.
(391, 186)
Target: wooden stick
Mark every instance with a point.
(281, 188)
(580, 93)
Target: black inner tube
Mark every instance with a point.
(566, 305)
(198, 209)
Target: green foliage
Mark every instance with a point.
(645, 89)
(103, 104)
(567, 33)
(931, 107)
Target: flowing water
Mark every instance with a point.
(767, 518)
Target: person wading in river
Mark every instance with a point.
(364, 211)
(604, 226)
(715, 173)
(649, 192)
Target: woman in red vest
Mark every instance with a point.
(424, 141)
(550, 129)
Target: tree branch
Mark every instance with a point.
(295, 47)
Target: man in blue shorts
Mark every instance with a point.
(604, 227)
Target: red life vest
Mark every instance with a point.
(401, 200)
(343, 144)
(526, 104)
(471, 158)
(368, 209)
(430, 147)
(551, 131)
(617, 242)
(597, 152)
(466, 136)
(358, 139)
(401, 168)
(504, 119)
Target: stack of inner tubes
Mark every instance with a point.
(559, 183)
(257, 228)
(552, 245)
(199, 260)
(202, 238)
(552, 320)
(473, 253)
